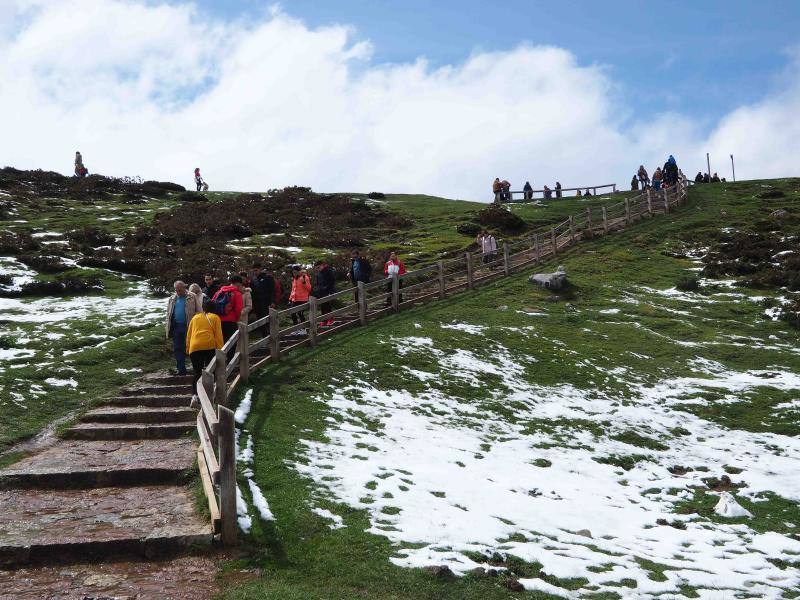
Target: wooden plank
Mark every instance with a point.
(208, 489)
(231, 343)
(260, 363)
(274, 335)
(208, 449)
(362, 303)
(395, 294)
(207, 410)
(220, 376)
(227, 480)
(231, 366)
(442, 290)
(244, 352)
(257, 323)
(312, 321)
(469, 270)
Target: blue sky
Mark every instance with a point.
(262, 95)
(702, 59)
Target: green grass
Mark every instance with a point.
(301, 557)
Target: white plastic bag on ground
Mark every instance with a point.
(728, 507)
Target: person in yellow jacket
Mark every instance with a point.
(203, 337)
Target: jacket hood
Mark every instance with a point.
(228, 288)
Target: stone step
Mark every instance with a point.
(165, 379)
(128, 431)
(158, 390)
(139, 414)
(153, 401)
(80, 463)
(150, 521)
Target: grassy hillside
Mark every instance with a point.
(78, 259)
(565, 444)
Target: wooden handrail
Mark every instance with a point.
(215, 421)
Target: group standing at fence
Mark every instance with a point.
(199, 320)
(666, 176)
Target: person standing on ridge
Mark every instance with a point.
(393, 268)
(506, 193)
(644, 179)
(181, 307)
(528, 189)
(657, 178)
(80, 169)
(497, 189)
(198, 179)
(634, 184)
(558, 189)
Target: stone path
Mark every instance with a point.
(114, 486)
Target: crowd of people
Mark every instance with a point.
(502, 191)
(705, 178)
(665, 176)
(200, 319)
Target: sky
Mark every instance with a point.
(412, 96)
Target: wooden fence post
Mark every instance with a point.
(650, 201)
(274, 335)
(536, 247)
(571, 230)
(614, 191)
(553, 240)
(666, 201)
(589, 221)
(627, 212)
(506, 261)
(312, 321)
(207, 379)
(244, 352)
(395, 293)
(227, 475)
(469, 270)
(605, 220)
(362, 303)
(220, 377)
(442, 288)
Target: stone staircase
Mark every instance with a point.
(114, 484)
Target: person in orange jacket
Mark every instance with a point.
(301, 290)
(394, 267)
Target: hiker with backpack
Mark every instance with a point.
(325, 286)
(80, 169)
(203, 338)
(360, 270)
(528, 189)
(657, 179)
(394, 267)
(228, 305)
(181, 307)
(301, 290)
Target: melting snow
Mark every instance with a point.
(452, 478)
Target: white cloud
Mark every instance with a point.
(156, 90)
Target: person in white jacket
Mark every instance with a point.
(488, 246)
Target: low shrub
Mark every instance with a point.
(688, 283)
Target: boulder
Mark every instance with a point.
(551, 281)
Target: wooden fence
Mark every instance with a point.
(523, 196)
(216, 454)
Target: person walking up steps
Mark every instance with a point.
(181, 307)
(247, 298)
(228, 304)
(644, 178)
(301, 290)
(360, 270)
(394, 267)
(203, 337)
(263, 287)
(199, 296)
(325, 286)
(488, 246)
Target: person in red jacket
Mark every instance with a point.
(301, 290)
(229, 303)
(394, 267)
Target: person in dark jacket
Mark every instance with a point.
(715, 178)
(548, 193)
(263, 290)
(698, 178)
(325, 286)
(360, 270)
(528, 189)
(706, 178)
(634, 184)
(211, 286)
(558, 189)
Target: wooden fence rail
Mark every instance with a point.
(216, 453)
(523, 196)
